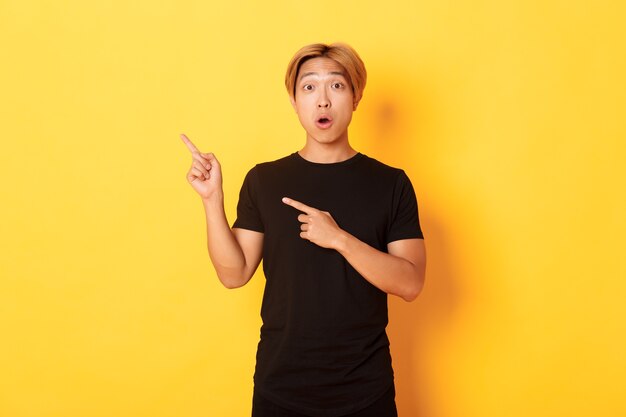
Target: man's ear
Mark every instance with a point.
(293, 103)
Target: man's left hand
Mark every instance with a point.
(317, 226)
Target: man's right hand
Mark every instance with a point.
(205, 173)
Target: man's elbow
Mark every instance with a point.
(231, 285)
(233, 281)
(408, 297)
(414, 290)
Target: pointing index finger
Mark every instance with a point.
(298, 205)
(190, 145)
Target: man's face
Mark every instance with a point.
(323, 90)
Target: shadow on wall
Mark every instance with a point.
(398, 127)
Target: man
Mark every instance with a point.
(337, 231)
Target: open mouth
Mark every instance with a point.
(324, 122)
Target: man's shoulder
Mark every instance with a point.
(270, 166)
(275, 163)
(377, 164)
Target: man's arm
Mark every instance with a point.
(400, 272)
(235, 253)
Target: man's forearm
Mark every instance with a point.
(224, 250)
(389, 273)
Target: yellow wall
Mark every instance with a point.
(507, 116)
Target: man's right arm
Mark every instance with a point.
(235, 253)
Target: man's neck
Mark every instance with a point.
(327, 154)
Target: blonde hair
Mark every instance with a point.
(340, 52)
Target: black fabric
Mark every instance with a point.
(323, 348)
(385, 406)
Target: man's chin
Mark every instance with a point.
(325, 139)
(325, 136)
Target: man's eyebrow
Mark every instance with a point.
(315, 73)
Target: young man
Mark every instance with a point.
(337, 231)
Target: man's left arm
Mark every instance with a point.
(400, 272)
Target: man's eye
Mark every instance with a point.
(339, 84)
(307, 85)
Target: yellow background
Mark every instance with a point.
(507, 116)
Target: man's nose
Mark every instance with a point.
(323, 100)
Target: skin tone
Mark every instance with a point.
(321, 87)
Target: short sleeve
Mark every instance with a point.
(248, 214)
(404, 221)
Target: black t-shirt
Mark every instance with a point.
(323, 347)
